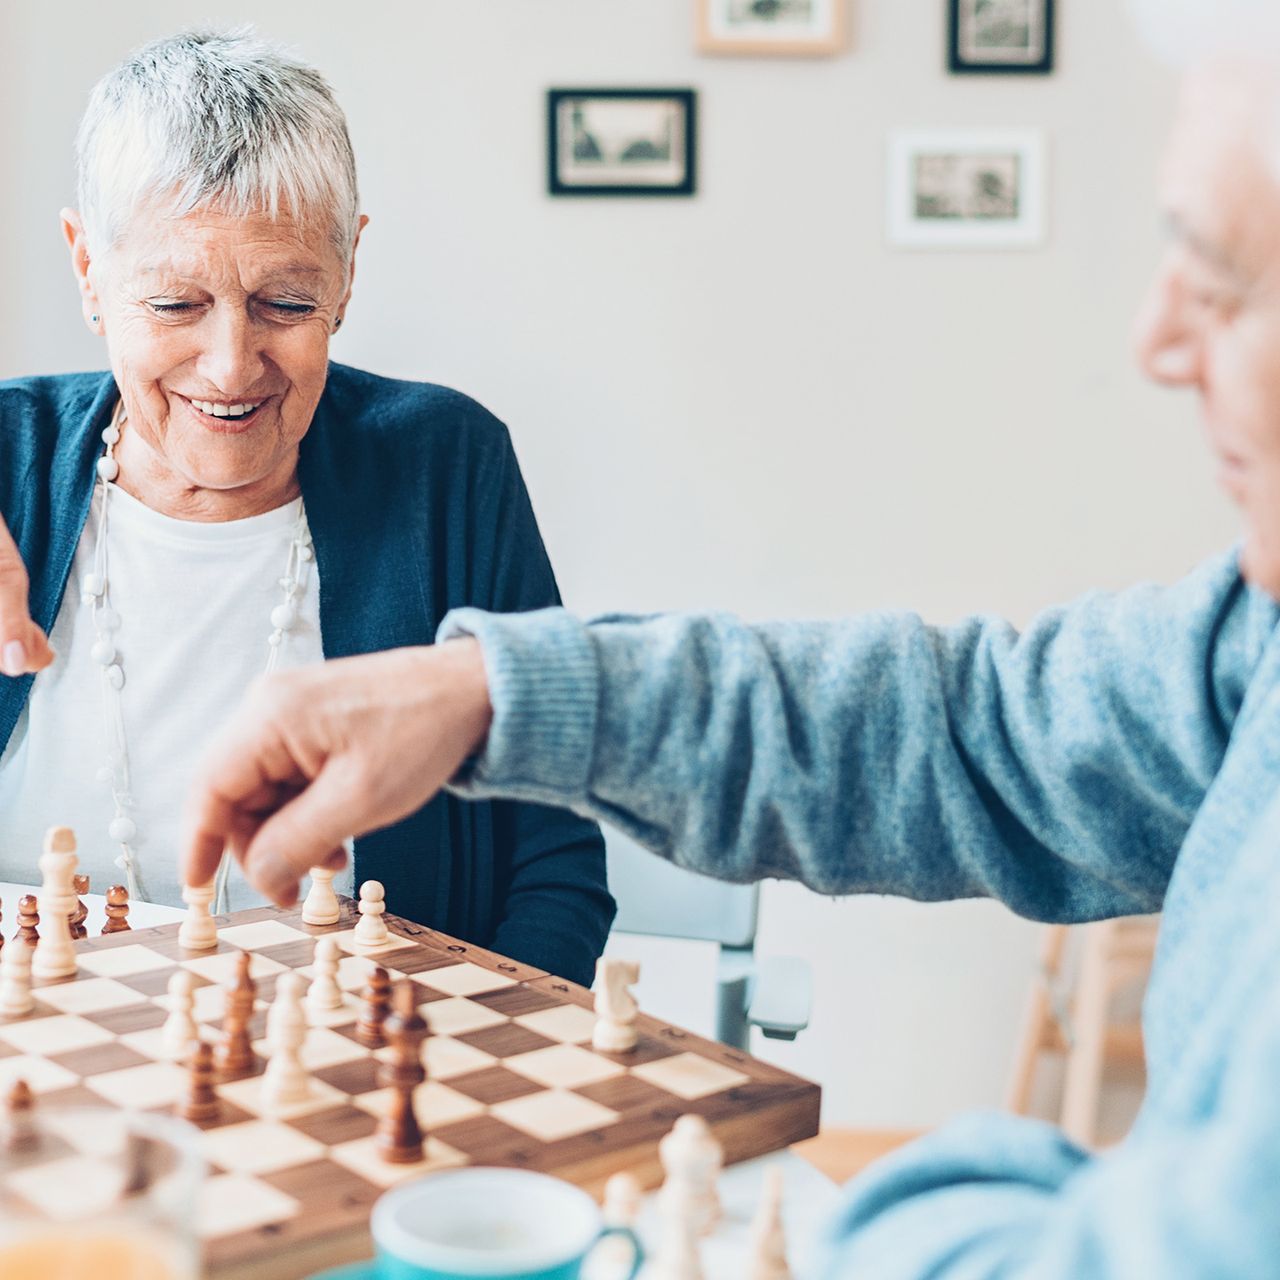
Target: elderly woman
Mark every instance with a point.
(225, 502)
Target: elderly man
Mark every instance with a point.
(1122, 755)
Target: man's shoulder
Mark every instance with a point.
(425, 415)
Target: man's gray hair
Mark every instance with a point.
(220, 120)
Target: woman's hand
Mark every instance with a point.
(23, 646)
(321, 753)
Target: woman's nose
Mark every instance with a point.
(1168, 339)
(232, 359)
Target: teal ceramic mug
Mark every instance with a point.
(487, 1224)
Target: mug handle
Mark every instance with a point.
(637, 1252)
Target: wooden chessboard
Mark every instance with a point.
(511, 1080)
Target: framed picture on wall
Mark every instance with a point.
(621, 142)
(771, 27)
(966, 188)
(1000, 37)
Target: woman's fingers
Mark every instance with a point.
(23, 646)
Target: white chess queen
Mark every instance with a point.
(226, 502)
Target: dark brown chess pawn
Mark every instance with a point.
(80, 884)
(377, 1000)
(200, 1102)
(235, 1049)
(399, 1137)
(117, 910)
(19, 1128)
(28, 918)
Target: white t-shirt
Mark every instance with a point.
(194, 602)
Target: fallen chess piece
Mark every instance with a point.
(198, 931)
(321, 906)
(616, 1007)
(79, 886)
(371, 930)
(55, 956)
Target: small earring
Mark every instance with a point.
(93, 319)
(337, 324)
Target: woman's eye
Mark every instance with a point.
(171, 308)
(292, 308)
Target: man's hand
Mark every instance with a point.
(321, 753)
(23, 646)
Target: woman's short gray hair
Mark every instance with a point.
(220, 120)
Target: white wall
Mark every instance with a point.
(746, 400)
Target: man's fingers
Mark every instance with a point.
(305, 832)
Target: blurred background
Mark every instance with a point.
(746, 400)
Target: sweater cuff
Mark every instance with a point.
(543, 684)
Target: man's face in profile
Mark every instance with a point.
(1213, 318)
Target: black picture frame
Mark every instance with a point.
(616, 184)
(959, 64)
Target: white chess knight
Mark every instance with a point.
(55, 956)
(371, 929)
(321, 906)
(324, 993)
(285, 1081)
(691, 1160)
(616, 1007)
(198, 931)
(180, 1027)
(768, 1241)
(15, 980)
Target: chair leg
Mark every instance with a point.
(1039, 1020)
(1082, 1088)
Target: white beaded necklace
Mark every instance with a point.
(96, 592)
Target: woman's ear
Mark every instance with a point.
(73, 233)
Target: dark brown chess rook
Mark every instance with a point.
(235, 1049)
(377, 1000)
(77, 918)
(200, 1102)
(117, 910)
(399, 1138)
(19, 1130)
(28, 918)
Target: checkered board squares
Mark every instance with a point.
(512, 1079)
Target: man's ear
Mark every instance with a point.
(73, 233)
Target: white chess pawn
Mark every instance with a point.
(621, 1208)
(768, 1240)
(324, 993)
(691, 1160)
(371, 929)
(180, 1027)
(55, 956)
(616, 1007)
(15, 980)
(321, 906)
(198, 931)
(285, 1081)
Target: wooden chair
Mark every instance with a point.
(1069, 1011)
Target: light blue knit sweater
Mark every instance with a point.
(1119, 756)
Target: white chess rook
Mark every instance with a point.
(321, 906)
(324, 993)
(180, 1027)
(285, 1081)
(198, 931)
(55, 956)
(15, 980)
(371, 930)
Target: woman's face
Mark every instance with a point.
(218, 333)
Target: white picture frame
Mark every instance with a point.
(966, 188)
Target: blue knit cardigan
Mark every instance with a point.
(416, 505)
